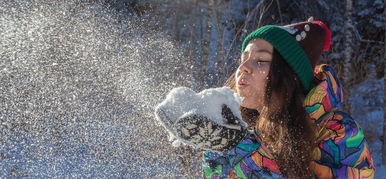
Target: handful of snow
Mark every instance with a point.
(182, 102)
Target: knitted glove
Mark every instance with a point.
(204, 120)
(206, 134)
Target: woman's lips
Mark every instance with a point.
(241, 84)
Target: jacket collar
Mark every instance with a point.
(326, 96)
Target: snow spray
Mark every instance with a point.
(78, 84)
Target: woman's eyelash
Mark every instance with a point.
(260, 60)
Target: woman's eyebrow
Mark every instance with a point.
(264, 51)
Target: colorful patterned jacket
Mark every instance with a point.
(342, 150)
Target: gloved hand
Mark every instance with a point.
(204, 120)
(206, 134)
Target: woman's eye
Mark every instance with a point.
(261, 62)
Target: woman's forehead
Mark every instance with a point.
(259, 45)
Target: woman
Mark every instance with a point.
(296, 107)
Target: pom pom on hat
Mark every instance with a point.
(328, 34)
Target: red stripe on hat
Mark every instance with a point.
(328, 34)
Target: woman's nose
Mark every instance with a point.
(245, 67)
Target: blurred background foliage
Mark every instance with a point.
(211, 31)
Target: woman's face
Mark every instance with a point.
(251, 75)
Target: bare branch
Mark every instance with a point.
(262, 12)
(358, 36)
(247, 19)
(278, 8)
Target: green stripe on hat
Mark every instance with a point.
(288, 47)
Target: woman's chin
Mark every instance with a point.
(247, 102)
(242, 92)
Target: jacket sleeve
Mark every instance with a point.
(215, 165)
(343, 150)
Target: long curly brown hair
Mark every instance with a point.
(283, 123)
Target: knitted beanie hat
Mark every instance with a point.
(300, 44)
